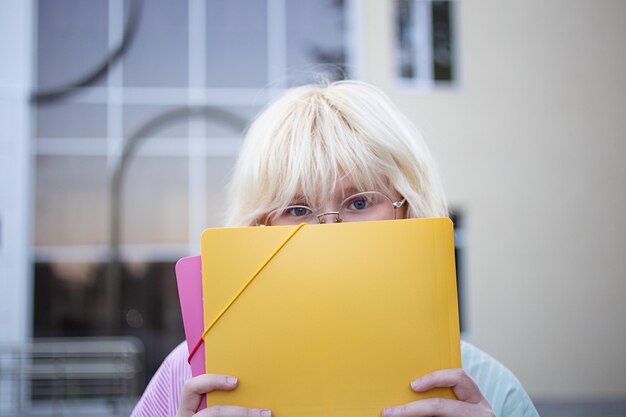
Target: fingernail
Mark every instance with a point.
(414, 384)
(388, 412)
(231, 380)
(266, 413)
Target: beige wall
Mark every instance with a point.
(532, 147)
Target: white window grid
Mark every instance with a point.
(422, 34)
(114, 95)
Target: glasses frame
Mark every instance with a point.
(321, 216)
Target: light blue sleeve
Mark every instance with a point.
(499, 386)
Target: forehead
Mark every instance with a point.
(334, 193)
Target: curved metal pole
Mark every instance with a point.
(130, 30)
(113, 285)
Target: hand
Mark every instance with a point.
(469, 402)
(192, 394)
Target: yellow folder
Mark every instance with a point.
(338, 322)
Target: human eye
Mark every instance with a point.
(360, 202)
(297, 211)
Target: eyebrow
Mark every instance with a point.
(350, 191)
(299, 199)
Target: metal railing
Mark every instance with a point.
(70, 377)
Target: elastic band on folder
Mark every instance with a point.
(267, 261)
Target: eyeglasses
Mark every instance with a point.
(360, 207)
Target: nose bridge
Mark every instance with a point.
(324, 217)
(328, 209)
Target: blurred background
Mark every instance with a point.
(120, 121)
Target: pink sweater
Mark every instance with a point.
(163, 392)
(499, 386)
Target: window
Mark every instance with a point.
(181, 66)
(425, 54)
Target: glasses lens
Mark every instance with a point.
(291, 215)
(365, 207)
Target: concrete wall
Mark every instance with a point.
(532, 148)
(15, 171)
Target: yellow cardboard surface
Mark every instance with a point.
(340, 320)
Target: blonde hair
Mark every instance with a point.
(303, 144)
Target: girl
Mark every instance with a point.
(322, 154)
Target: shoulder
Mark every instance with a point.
(177, 364)
(498, 384)
(162, 394)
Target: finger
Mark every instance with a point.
(440, 407)
(202, 384)
(462, 385)
(194, 388)
(233, 411)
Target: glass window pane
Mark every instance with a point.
(219, 171)
(236, 43)
(157, 56)
(71, 201)
(167, 138)
(155, 201)
(443, 56)
(63, 120)
(137, 116)
(71, 300)
(216, 127)
(67, 302)
(315, 40)
(71, 40)
(405, 39)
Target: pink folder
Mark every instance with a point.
(189, 280)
